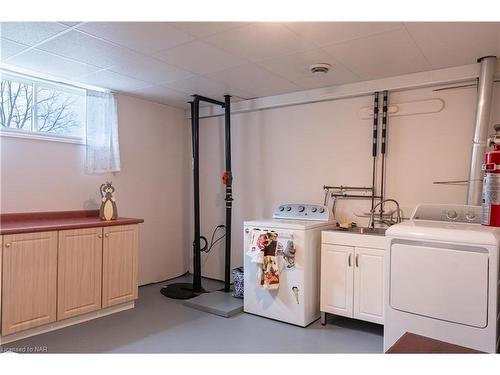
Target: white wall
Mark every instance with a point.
(288, 154)
(49, 176)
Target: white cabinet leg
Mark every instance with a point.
(323, 318)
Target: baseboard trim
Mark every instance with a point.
(66, 322)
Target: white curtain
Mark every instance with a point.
(103, 152)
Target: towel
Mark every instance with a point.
(271, 254)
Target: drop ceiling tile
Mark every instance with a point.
(254, 80)
(200, 57)
(198, 85)
(149, 69)
(87, 49)
(383, 55)
(447, 44)
(324, 33)
(30, 33)
(146, 37)
(204, 29)
(259, 41)
(296, 68)
(57, 66)
(113, 81)
(9, 48)
(164, 95)
(69, 24)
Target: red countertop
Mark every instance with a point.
(28, 222)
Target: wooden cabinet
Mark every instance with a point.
(29, 281)
(120, 264)
(336, 279)
(79, 276)
(369, 284)
(352, 282)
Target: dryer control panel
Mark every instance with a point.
(457, 213)
(302, 211)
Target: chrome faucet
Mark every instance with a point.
(371, 223)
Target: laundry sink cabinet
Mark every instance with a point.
(352, 272)
(55, 278)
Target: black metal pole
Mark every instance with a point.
(229, 192)
(374, 146)
(195, 106)
(209, 100)
(382, 150)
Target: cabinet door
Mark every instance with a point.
(369, 285)
(79, 272)
(337, 265)
(29, 273)
(120, 253)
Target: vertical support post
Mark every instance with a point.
(229, 192)
(195, 128)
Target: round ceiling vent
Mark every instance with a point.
(320, 68)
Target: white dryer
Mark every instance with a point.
(442, 278)
(296, 301)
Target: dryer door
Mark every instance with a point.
(446, 282)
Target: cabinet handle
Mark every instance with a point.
(349, 260)
(99, 235)
(357, 260)
(106, 235)
(7, 245)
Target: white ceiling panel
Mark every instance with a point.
(57, 66)
(383, 55)
(146, 37)
(87, 49)
(165, 95)
(30, 33)
(69, 24)
(169, 61)
(9, 48)
(325, 33)
(296, 68)
(253, 79)
(200, 57)
(448, 43)
(206, 87)
(150, 69)
(204, 29)
(259, 41)
(113, 81)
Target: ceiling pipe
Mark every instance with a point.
(481, 129)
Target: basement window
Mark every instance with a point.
(34, 108)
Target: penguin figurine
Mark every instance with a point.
(108, 206)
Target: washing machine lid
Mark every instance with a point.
(287, 224)
(446, 232)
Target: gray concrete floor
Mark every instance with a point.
(162, 325)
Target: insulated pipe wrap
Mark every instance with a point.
(481, 129)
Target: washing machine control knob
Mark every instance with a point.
(301, 208)
(451, 215)
(314, 209)
(289, 208)
(282, 208)
(321, 210)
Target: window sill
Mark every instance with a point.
(41, 136)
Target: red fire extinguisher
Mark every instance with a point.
(491, 182)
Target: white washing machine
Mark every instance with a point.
(442, 278)
(296, 301)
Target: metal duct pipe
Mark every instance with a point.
(481, 129)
